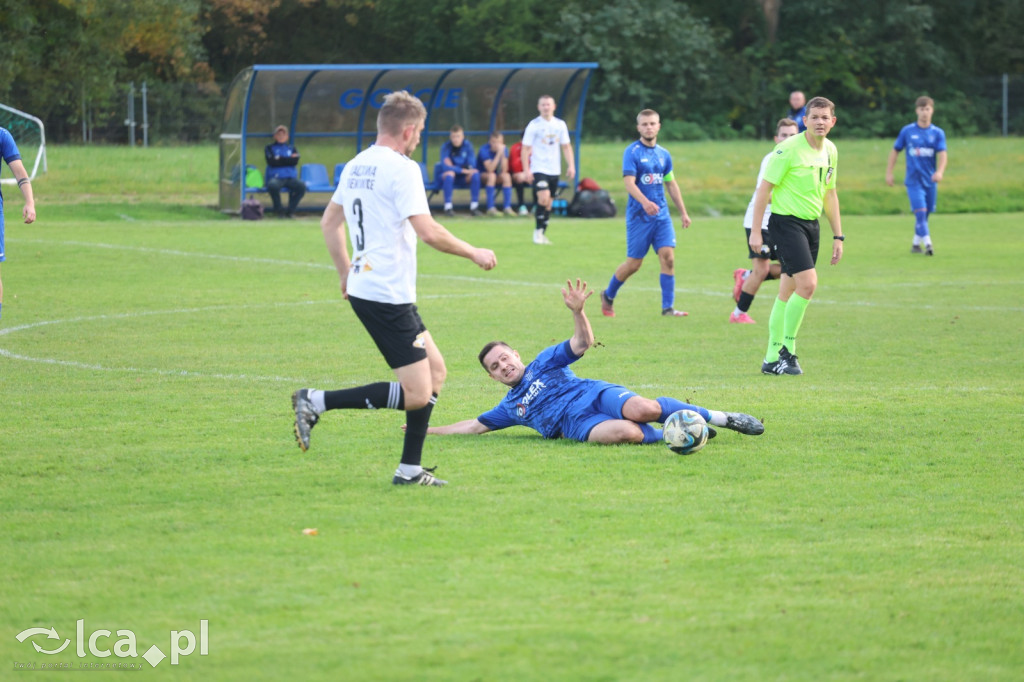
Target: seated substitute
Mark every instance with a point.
(459, 159)
(547, 397)
(515, 168)
(282, 159)
(492, 162)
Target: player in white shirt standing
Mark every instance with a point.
(746, 281)
(380, 196)
(542, 139)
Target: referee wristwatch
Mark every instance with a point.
(840, 237)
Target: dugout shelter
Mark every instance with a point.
(330, 111)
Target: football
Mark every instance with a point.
(685, 432)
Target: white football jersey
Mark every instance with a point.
(748, 217)
(546, 139)
(379, 189)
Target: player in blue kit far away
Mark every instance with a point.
(647, 173)
(926, 163)
(548, 397)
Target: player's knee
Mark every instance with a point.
(415, 399)
(642, 410)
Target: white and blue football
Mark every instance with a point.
(685, 432)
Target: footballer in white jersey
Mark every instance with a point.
(545, 139)
(379, 189)
(381, 201)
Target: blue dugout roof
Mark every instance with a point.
(330, 109)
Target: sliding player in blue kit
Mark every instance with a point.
(548, 397)
(647, 172)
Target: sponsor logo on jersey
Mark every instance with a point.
(531, 393)
(925, 152)
(652, 179)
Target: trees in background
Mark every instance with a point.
(713, 68)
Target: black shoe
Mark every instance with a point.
(305, 417)
(778, 367)
(928, 251)
(916, 248)
(449, 213)
(792, 366)
(744, 423)
(475, 212)
(425, 477)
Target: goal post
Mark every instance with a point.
(30, 136)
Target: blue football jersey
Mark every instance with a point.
(9, 152)
(462, 156)
(547, 397)
(649, 165)
(922, 144)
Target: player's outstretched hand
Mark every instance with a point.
(575, 296)
(485, 258)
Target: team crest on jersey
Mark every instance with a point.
(420, 342)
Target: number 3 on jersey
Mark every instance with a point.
(357, 210)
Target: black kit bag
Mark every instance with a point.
(252, 209)
(592, 203)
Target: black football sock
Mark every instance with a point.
(745, 300)
(368, 397)
(416, 422)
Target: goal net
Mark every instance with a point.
(29, 136)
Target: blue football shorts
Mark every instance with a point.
(922, 197)
(642, 235)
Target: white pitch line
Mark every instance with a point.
(6, 331)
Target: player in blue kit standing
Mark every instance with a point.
(9, 152)
(549, 398)
(647, 171)
(926, 164)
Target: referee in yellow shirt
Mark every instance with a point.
(800, 183)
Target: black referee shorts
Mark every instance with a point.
(794, 241)
(396, 329)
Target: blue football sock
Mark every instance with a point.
(651, 434)
(613, 287)
(921, 223)
(670, 405)
(448, 182)
(668, 290)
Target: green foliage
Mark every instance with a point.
(654, 55)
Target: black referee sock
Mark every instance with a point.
(416, 422)
(368, 397)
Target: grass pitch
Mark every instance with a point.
(150, 480)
